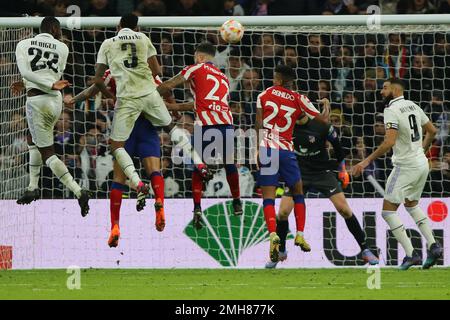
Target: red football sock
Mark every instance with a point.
(270, 216)
(300, 216)
(157, 182)
(197, 187)
(115, 200)
(233, 182)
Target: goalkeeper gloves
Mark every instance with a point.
(343, 175)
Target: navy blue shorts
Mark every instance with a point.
(274, 166)
(144, 140)
(216, 141)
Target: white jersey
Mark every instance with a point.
(408, 118)
(126, 55)
(41, 61)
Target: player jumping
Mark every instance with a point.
(129, 55)
(143, 143)
(210, 88)
(310, 144)
(405, 122)
(41, 61)
(278, 108)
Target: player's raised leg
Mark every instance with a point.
(42, 132)
(122, 127)
(341, 205)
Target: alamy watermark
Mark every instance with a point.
(74, 279)
(374, 20)
(231, 146)
(374, 280)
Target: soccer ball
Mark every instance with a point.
(232, 31)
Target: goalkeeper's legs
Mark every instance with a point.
(153, 168)
(341, 205)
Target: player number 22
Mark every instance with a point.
(37, 63)
(211, 95)
(275, 111)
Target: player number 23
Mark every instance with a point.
(275, 111)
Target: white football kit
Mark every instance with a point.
(126, 54)
(41, 61)
(410, 172)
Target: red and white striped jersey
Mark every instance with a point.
(210, 88)
(109, 81)
(281, 108)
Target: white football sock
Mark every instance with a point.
(127, 165)
(421, 221)
(59, 169)
(35, 167)
(397, 228)
(181, 139)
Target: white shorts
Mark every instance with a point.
(127, 111)
(43, 112)
(406, 183)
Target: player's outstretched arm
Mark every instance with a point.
(84, 95)
(389, 141)
(430, 134)
(100, 69)
(325, 115)
(188, 106)
(170, 84)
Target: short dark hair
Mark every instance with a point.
(397, 81)
(48, 23)
(129, 20)
(286, 72)
(207, 48)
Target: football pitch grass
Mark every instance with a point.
(235, 284)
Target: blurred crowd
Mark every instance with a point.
(220, 7)
(347, 68)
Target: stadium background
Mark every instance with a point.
(348, 68)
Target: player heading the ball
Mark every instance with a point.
(210, 89)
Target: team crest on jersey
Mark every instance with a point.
(312, 139)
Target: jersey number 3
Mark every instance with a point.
(47, 62)
(415, 136)
(134, 59)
